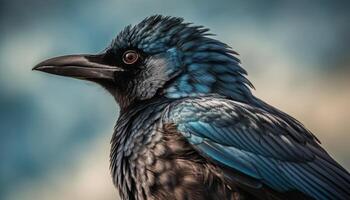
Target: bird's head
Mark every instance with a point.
(159, 57)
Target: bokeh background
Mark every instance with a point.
(55, 132)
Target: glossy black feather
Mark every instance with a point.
(261, 145)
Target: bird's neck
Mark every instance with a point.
(128, 138)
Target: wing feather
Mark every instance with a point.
(267, 147)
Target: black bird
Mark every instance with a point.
(189, 126)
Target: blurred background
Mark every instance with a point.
(55, 131)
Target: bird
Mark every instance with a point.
(189, 125)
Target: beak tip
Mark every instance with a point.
(35, 68)
(38, 67)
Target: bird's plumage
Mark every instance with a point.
(261, 145)
(189, 126)
(189, 61)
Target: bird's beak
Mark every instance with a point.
(89, 67)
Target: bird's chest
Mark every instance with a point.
(161, 167)
(144, 162)
(135, 145)
(166, 167)
(151, 160)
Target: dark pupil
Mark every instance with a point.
(130, 57)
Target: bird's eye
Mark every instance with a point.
(130, 57)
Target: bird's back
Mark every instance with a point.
(260, 149)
